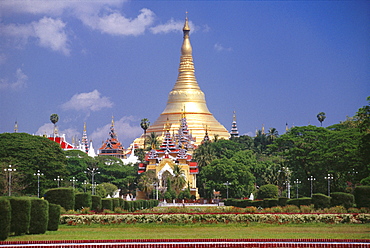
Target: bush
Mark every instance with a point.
(320, 201)
(257, 203)
(342, 199)
(39, 216)
(5, 218)
(115, 202)
(65, 197)
(96, 203)
(82, 200)
(362, 196)
(267, 191)
(294, 202)
(54, 216)
(21, 214)
(307, 201)
(291, 209)
(283, 201)
(270, 202)
(107, 203)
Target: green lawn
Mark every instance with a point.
(204, 231)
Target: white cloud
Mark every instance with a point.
(218, 47)
(49, 32)
(48, 130)
(91, 101)
(19, 83)
(125, 129)
(116, 24)
(172, 26)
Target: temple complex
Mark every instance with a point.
(187, 97)
(172, 152)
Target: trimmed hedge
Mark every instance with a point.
(83, 200)
(96, 203)
(54, 216)
(270, 202)
(362, 196)
(115, 202)
(342, 199)
(267, 191)
(283, 201)
(65, 197)
(21, 214)
(107, 203)
(5, 218)
(39, 216)
(320, 200)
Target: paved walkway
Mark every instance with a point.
(196, 243)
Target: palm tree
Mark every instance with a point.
(152, 141)
(144, 124)
(272, 135)
(178, 180)
(146, 182)
(54, 118)
(204, 154)
(321, 117)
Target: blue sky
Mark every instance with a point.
(273, 62)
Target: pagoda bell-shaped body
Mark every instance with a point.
(187, 97)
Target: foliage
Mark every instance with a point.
(320, 201)
(63, 196)
(96, 202)
(5, 218)
(28, 154)
(342, 199)
(321, 117)
(362, 196)
(146, 181)
(107, 203)
(39, 216)
(267, 191)
(21, 214)
(109, 188)
(82, 200)
(178, 179)
(54, 216)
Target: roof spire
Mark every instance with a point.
(16, 127)
(234, 129)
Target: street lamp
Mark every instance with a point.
(84, 183)
(73, 180)
(93, 171)
(38, 174)
(227, 189)
(286, 171)
(58, 179)
(329, 177)
(156, 190)
(10, 170)
(297, 182)
(311, 178)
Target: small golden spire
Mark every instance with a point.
(112, 120)
(84, 126)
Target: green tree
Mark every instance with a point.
(146, 182)
(260, 142)
(144, 124)
(152, 141)
(109, 188)
(178, 180)
(54, 118)
(29, 153)
(272, 135)
(321, 117)
(204, 154)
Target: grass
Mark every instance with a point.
(203, 231)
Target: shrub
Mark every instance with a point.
(306, 209)
(54, 216)
(267, 191)
(342, 199)
(362, 196)
(5, 218)
(305, 201)
(96, 203)
(82, 200)
(107, 203)
(336, 209)
(283, 201)
(257, 203)
(294, 202)
(291, 209)
(270, 202)
(320, 201)
(21, 212)
(63, 196)
(39, 216)
(115, 202)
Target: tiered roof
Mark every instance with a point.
(112, 147)
(234, 129)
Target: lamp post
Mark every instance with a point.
(10, 170)
(286, 172)
(58, 179)
(73, 180)
(227, 189)
(297, 182)
(38, 174)
(156, 190)
(84, 183)
(329, 177)
(311, 179)
(93, 171)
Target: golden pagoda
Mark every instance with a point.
(187, 97)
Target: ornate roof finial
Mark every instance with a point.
(16, 127)
(234, 129)
(112, 121)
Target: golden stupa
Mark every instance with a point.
(187, 98)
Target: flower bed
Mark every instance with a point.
(109, 219)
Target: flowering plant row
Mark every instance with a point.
(213, 218)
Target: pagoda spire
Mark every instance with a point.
(16, 127)
(234, 129)
(186, 94)
(85, 141)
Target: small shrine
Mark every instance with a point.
(112, 147)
